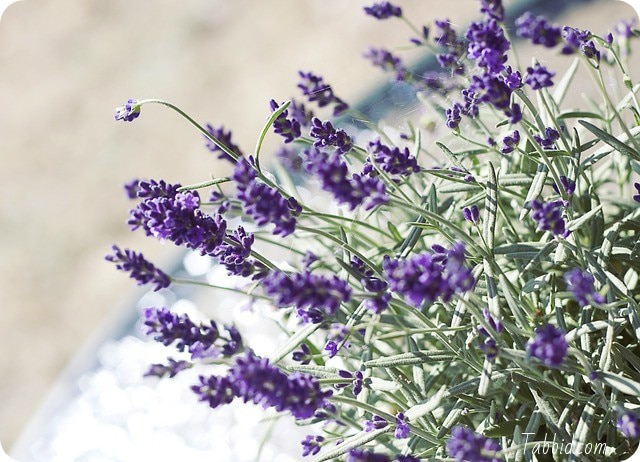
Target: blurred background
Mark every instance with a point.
(65, 65)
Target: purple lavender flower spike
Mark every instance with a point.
(358, 383)
(465, 445)
(548, 216)
(471, 214)
(215, 390)
(538, 30)
(311, 445)
(628, 425)
(316, 89)
(547, 141)
(386, 61)
(453, 47)
(538, 77)
(263, 204)
(548, 345)
(569, 186)
(394, 161)
(408, 458)
(326, 135)
(493, 9)
(492, 89)
(453, 116)
(488, 45)
(300, 113)
(170, 370)
(637, 196)
(402, 427)
(362, 455)
(131, 188)
(315, 297)
(574, 39)
(490, 349)
(235, 254)
(510, 142)
(426, 276)
(513, 79)
(289, 129)
(375, 423)
(580, 283)
(225, 138)
(140, 269)
(383, 10)
(129, 112)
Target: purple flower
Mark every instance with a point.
(490, 349)
(314, 297)
(131, 189)
(547, 141)
(493, 9)
(637, 196)
(361, 455)
(495, 324)
(263, 204)
(488, 45)
(574, 39)
(408, 458)
(628, 425)
(358, 383)
(311, 445)
(514, 113)
(140, 269)
(393, 161)
(465, 445)
(168, 328)
(538, 77)
(426, 276)
(289, 158)
(303, 355)
(235, 252)
(569, 186)
(383, 10)
(353, 190)
(168, 214)
(548, 345)
(167, 370)
(386, 61)
(300, 113)
(538, 30)
(513, 79)
(255, 379)
(548, 216)
(453, 116)
(402, 427)
(510, 142)
(215, 390)
(326, 135)
(225, 138)
(128, 112)
(580, 283)
(315, 89)
(471, 214)
(289, 129)
(454, 48)
(376, 423)
(491, 89)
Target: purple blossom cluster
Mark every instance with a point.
(225, 137)
(234, 254)
(628, 425)
(580, 283)
(541, 32)
(383, 10)
(326, 135)
(548, 216)
(548, 139)
(289, 129)
(333, 173)
(362, 455)
(493, 9)
(129, 112)
(488, 45)
(567, 185)
(637, 196)
(428, 276)
(538, 77)
(254, 379)
(315, 297)
(175, 216)
(201, 340)
(510, 142)
(394, 161)
(490, 347)
(311, 445)
(139, 268)
(317, 90)
(387, 61)
(548, 345)
(263, 203)
(171, 369)
(465, 445)
(300, 113)
(471, 214)
(454, 48)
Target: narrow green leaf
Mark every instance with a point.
(416, 357)
(355, 441)
(620, 383)
(536, 188)
(565, 83)
(295, 340)
(490, 209)
(268, 125)
(611, 140)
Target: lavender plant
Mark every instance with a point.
(467, 292)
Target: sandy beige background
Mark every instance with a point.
(65, 64)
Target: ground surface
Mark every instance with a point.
(65, 64)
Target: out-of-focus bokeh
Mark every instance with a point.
(66, 64)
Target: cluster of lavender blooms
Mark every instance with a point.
(434, 311)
